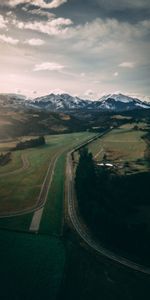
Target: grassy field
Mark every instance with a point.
(121, 145)
(31, 266)
(21, 191)
(47, 265)
(14, 164)
(53, 211)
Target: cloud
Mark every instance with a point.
(34, 42)
(8, 39)
(40, 12)
(90, 94)
(39, 3)
(111, 28)
(3, 22)
(127, 64)
(116, 74)
(48, 66)
(82, 74)
(102, 30)
(51, 27)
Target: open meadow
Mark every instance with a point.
(22, 178)
(23, 255)
(120, 146)
(54, 263)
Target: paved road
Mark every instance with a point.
(36, 220)
(43, 193)
(83, 233)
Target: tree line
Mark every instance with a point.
(110, 203)
(40, 141)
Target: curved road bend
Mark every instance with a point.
(38, 207)
(44, 189)
(35, 223)
(84, 234)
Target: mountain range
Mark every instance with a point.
(63, 113)
(65, 102)
(68, 103)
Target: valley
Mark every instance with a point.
(36, 226)
(74, 150)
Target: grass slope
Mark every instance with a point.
(53, 211)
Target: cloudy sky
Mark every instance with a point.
(83, 47)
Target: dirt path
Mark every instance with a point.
(25, 166)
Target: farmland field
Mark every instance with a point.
(24, 255)
(53, 264)
(121, 145)
(24, 187)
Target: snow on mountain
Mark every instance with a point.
(118, 97)
(120, 102)
(66, 103)
(145, 99)
(58, 102)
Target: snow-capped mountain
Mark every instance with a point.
(68, 103)
(65, 102)
(120, 102)
(145, 99)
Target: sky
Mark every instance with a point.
(86, 48)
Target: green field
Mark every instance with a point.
(31, 266)
(24, 256)
(52, 218)
(122, 145)
(54, 264)
(14, 164)
(20, 191)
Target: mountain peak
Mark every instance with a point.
(111, 102)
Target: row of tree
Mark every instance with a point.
(109, 203)
(40, 141)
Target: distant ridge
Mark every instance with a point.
(67, 103)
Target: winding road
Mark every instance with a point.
(84, 233)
